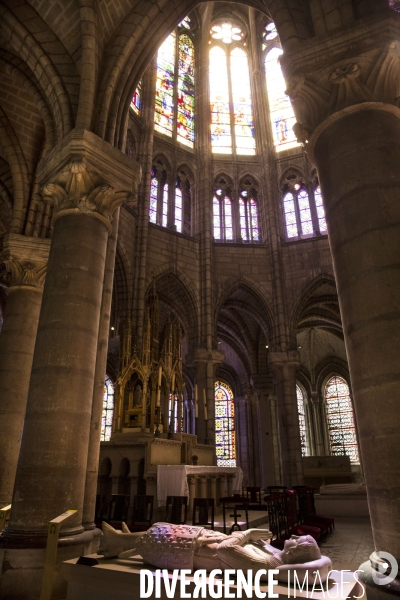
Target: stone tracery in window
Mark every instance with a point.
(170, 206)
(340, 416)
(248, 212)
(304, 212)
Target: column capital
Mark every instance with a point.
(85, 174)
(26, 260)
(355, 69)
(279, 362)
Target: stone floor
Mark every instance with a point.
(350, 544)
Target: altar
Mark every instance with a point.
(197, 482)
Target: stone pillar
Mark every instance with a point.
(86, 179)
(98, 390)
(206, 363)
(213, 488)
(284, 366)
(349, 120)
(203, 486)
(26, 260)
(192, 491)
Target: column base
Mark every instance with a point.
(374, 591)
(21, 569)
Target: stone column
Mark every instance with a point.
(98, 390)
(349, 120)
(206, 363)
(26, 260)
(284, 366)
(86, 179)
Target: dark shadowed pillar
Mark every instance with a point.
(26, 260)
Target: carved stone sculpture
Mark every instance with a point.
(187, 547)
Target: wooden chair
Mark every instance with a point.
(118, 509)
(253, 494)
(176, 512)
(142, 515)
(202, 509)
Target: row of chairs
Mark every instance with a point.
(116, 510)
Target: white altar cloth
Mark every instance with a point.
(172, 479)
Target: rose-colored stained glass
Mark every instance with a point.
(305, 213)
(221, 136)
(281, 111)
(225, 441)
(185, 114)
(340, 415)
(164, 109)
(108, 410)
(290, 215)
(320, 210)
(178, 209)
(242, 106)
(136, 103)
(153, 199)
(302, 421)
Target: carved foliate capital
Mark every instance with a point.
(355, 66)
(26, 260)
(84, 174)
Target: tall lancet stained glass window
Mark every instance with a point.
(248, 217)
(153, 197)
(232, 126)
(282, 116)
(222, 216)
(185, 116)
(302, 421)
(221, 134)
(340, 415)
(320, 210)
(108, 410)
(164, 110)
(225, 441)
(174, 106)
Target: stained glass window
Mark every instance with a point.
(185, 117)
(178, 209)
(136, 103)
(320, 210)
(221, 137)
(340, 415)
(242, 108)
(108, 410)
(248, 217)
(232, 124)
(302, 421)
(305, 213)
(270, 32)
(174, 110)
(225, 442)
(164, 111)
(164, 221)
(282, 116)
(290, 215)
(395, 5)
(153, 198)
(222, 216)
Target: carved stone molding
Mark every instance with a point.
(354, 67)
(84, 174)
(26, 260)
